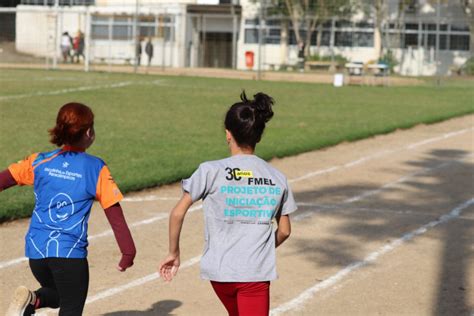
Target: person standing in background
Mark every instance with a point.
(78, 45)
(138, 51)
(149, 50)
(66, 45)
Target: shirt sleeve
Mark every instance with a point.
(288, 203)
(22, 171)
(197, 184)
(107, 191)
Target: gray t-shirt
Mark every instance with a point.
(241, 196)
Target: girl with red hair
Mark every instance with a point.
(66, 181)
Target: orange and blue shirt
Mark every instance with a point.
(66, 182)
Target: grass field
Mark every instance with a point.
(153, 130)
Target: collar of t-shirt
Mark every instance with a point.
(73, 148)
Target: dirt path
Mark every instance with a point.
(385, 226)
(311, 77)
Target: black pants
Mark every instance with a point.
(64, 283)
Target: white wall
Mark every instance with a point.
(36, 25)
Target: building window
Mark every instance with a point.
(459, 42)
(100, 31)
(363, 39)
(411, 40)
(251, 36)
(120, 28)
(343, 39)
(271, 31)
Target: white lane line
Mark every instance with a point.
(435, 139)
(150, 198)
(309, 293)
(64, 91)
(396, 182)
(137, 282)
(13, 262)
(314, 174)
(378, 155)
(5, 264)
(343, 208)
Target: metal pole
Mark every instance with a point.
(87, 35)
(135, 36)
(163, 48)
(234, 38)
(438, 17)
(109, 52)
(55, 55)
(260, 35)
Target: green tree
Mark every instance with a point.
(306, 15)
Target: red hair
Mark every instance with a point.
(72, 122)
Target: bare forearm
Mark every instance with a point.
(176, 224)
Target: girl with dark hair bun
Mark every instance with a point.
(242, 198)
(66, 182)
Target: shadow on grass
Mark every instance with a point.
(161, 308)
(441, 181)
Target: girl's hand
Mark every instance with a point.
(169, 267)
(125, 262)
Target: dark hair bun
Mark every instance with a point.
(263, 106)
(261, 103)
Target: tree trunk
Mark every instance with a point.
(379, 13)
(310, 28)
(319, 38)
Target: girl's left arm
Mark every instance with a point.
(123, 236)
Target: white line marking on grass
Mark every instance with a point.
(137, 282)
(309, 293)
(68, 90)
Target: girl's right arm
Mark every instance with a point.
(170, 265)
(6, 180)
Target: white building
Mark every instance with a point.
(213, 33)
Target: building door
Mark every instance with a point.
(217, 50)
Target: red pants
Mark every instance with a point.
(244, 298)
